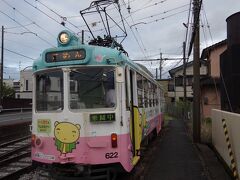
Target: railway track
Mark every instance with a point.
(15, 158)
(13, 131)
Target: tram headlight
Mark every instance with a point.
(64, 37)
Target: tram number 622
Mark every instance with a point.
(111, 155)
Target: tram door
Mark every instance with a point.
(135, 129)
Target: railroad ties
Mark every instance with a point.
(15, 158)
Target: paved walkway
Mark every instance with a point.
(176, 158)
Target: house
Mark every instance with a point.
(26, 85)
(210, 85)
(175, 86)
(164, 85)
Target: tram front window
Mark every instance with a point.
(49, 91)
(92, 87)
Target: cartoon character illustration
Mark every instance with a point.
(66, 136)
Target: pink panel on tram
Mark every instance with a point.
(87, 150)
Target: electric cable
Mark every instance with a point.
(32, 22)
(27, 29)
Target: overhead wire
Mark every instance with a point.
(163, 18)
(15, 27)
(188, 28)
(133, 35)
(208, 26)
(202, 25)
(27, 29)
(32, 22)
(144, 48)
(31, 47)
(64, 18)
(59, 23)
(164, 12)
(17, 53)
(140, 9)
(221, 75)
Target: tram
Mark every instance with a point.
(92, 108)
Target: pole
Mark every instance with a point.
(184, 73)
(156, 73)
(82, 36)
(196, 76)
(160, 68)
(1, 84)
(184, 82)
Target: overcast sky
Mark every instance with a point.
(154, 26)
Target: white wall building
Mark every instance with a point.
(26, 85)
(175, 86)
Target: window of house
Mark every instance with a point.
(26, 85)
(170, 87)
(189, 81)
(179, 81)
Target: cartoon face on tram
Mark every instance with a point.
(92, 106)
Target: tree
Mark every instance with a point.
(8, 92)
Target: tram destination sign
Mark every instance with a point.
(68, 55)
(108, 117)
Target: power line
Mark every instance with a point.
(28, 46)
(144, 48)
(32, 22)
(157, 59)
(147, 7)
(26, 28)
(62, 17)
(164, 12)
(163, 18)
(205, 15)
(17, 53)
(134, 36)
(15, 27)
(60, 23)
(187, 31)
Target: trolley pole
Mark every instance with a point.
(196, 76)
(1, 83)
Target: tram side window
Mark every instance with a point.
(49, 91)
(158, 96)
(154, 95)
(146, 100)
(140, 90)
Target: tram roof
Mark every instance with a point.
(89, 55)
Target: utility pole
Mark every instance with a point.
(184, 73)
(184, 82)
(156, 73)
(160, 68)
(1, 83)
(196, 76)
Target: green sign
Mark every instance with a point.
(43, 125)
(102, 117)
